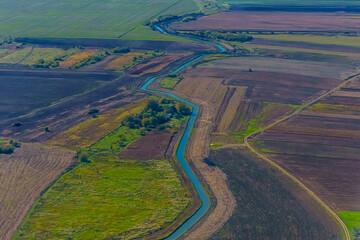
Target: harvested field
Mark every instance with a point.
(320, 146)
(91, 130)
(24, 175)
(112, 43)
(266, 199)
(153, 145)
(206, 87)
(71, 111)
(70, 61)
(298, 67)
(275, 21)
(24, 91)
(156, 64)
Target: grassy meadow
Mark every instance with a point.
(87, 19)
(353, 41)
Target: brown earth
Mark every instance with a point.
(24, 175)
(321, 149)
(156, 64)
(274, 21)
(151, 146)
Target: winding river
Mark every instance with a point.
(180, 152)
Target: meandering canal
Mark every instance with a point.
(180, 152)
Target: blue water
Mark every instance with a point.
(180, 154)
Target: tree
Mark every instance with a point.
(16, 124)
(154, 105)
(93, 111)
(46, 129)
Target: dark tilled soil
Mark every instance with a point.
(151, 146)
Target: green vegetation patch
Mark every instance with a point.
(38, 57)
(332, 108)
(352, 222)
(108, 198)
(353, 41)
(170, 81)
(8, 147)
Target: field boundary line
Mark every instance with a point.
(297, 181)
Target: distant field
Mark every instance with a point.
(269, 205)
(23, 91)
(24, 175)
(298, 2)
(338, 40)
(275, 21)
(87, 19)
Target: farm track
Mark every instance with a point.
(310, 192)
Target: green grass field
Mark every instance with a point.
(298, 2)
(338, 40)
(87, 18)
(352, 221)
(109, 197)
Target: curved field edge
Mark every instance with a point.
(98, 163)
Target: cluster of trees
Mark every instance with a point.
(90, 60)
(46, 64)
(227, 36)
(156, 114)
(9, 147)
(121, 50)
(6, 40)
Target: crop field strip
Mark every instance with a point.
(24, 175)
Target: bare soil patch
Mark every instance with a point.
(156, 64)
(24, 175)
(151, 146)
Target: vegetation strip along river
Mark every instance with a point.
(180, 153)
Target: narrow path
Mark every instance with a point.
(311, 193)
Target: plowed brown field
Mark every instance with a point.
(24, 175)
